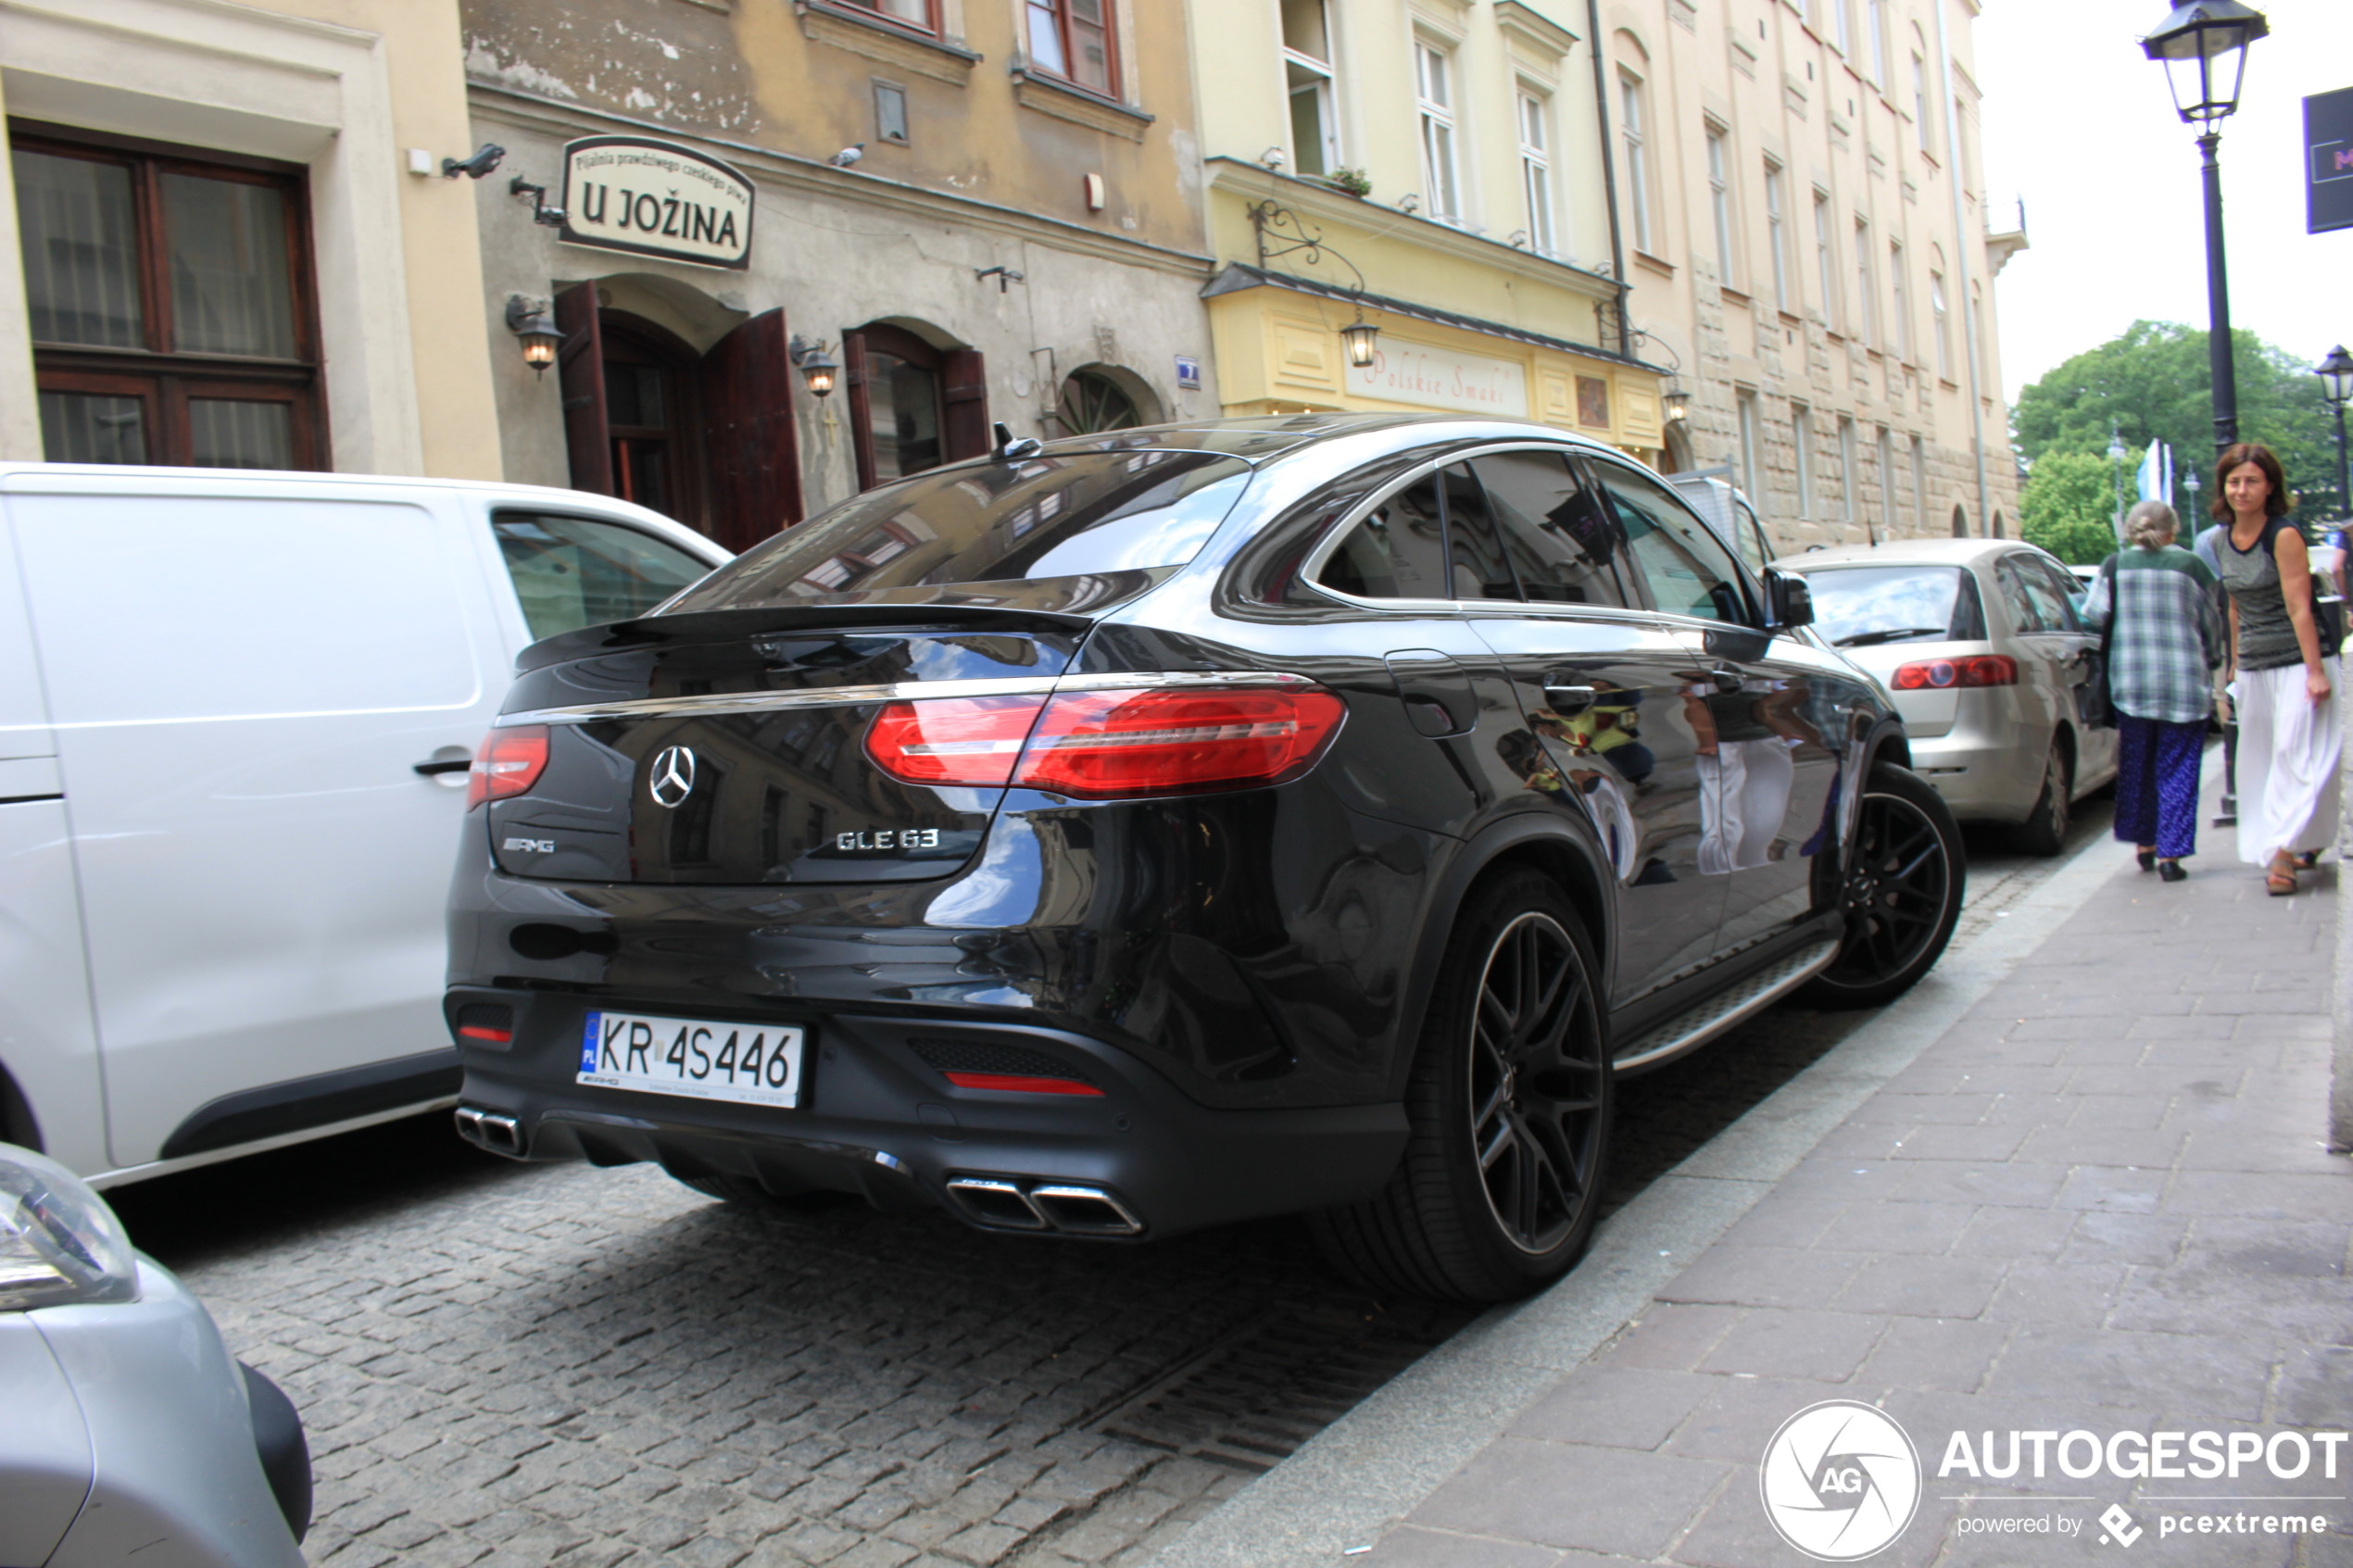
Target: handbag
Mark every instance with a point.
(2093, 702)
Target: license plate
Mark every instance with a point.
(755, 1064)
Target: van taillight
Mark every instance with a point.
(509, 762)
(1106, 745)
(1945, 674)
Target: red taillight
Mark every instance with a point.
(508, 763)
(1942, 674)
(1022, 1083)
(1099, 745)
(483, 1032)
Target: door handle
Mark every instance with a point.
(1566, 701)
(435, 770)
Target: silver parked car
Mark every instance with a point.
(1978, 641)
(129, 1434)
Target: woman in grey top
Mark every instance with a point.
(2289, 736)
(2162, 653)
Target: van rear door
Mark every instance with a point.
(243, 676)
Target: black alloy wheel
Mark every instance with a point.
(1510, 1104)
(1906, 874)
(2044, 831)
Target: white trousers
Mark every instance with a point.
(1743, 795)
(2287, 762)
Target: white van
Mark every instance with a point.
(237, 711)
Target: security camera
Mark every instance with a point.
(486, 158)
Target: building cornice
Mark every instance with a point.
(1314, 200)
(812, 177)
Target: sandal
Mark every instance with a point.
(2306, 859)
(2147, 859)
(2279, 880)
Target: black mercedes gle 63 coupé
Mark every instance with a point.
(1169, 827)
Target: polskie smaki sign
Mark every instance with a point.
(656, 198)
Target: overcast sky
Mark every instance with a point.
(2079, 124)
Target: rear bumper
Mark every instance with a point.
(1988, 761)
(878, 1119)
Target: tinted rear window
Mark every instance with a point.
(1049, 517)
(1863, 605)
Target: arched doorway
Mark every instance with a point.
(1679, 449)
(1995, 532)
(913, 404)
(702, 435)
(1960, 521)
(1101, 398)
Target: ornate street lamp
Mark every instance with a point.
(527, 319)
(1361, 337)
(2202, 48)
(818, 368)
(2336, 385)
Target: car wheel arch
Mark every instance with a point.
(18, 1125)
(1569, 861)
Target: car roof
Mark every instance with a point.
(1908, 552)
(1261, 437)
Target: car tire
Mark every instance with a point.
(1509, 1105)
(1906, 874)
(2044, 831)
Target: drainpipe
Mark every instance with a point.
(1970, 322)
(1609, 178)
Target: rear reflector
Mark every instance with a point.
(1108, 744)
(508, 763)
(1020, 1083)
(1942, 674)
(479, 1031)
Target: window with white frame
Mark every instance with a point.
(1825, 260)
(1777, 230)
(1978, 358)
(1536, 172)
(1864, 324)
(1434, 101)
(1849, 481)
(1633, 126)
(1842, 26)
(1880, 73)
(1943, 327)
(1920, 486)
(1920, 102)
(1719, 202)
(1886, 481)
(1899, 299)
(1752, 474)
(1801, 440)
(1308, 69)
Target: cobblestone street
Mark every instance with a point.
(526, 1365)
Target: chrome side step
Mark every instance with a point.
(1015, 1205)
(1689, 1031)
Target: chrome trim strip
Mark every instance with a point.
(902, 691)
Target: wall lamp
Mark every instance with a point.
(817, 367)
(1678, 400)
(528, 319)
(519, 187)
(1361, 337)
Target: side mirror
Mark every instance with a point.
(1790, 601)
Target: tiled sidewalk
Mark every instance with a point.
(2100, 1201)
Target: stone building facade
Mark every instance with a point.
(1799, 189)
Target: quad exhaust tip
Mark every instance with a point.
(493, 1130)
(1001, 1203)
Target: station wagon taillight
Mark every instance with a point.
(509, 762)
(1946, 674)
(1108, 744)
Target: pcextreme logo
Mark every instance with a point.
(1840, 1480)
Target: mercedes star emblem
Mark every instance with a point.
(674, 776)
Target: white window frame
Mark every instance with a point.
(1751, 478)
(1900, 302)
(1843, 21)
(1633, 131)
(1533, 124)
(1919, 104)
(1801, 437)
(1846, 468)
(1826, 259)
(1887, 481)
(1325, 87)
(1719, 199)
(1438, 130)
(1943, 320)
(1881, 69)
(1920, 486)
(1866, 319)
(1777, 229)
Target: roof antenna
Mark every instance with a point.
(1013, 449)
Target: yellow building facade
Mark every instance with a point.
(1433, 170)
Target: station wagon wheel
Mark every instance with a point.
(1510, 1105)
(1901, 895)
(2044, 833)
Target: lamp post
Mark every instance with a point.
(2115, 455)
(2337, 386)
(2203, 47)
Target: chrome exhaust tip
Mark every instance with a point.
(493, 1130)
(1001, 1203)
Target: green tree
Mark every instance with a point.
(2151, 383)
(2068, 507)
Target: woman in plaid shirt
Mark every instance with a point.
(2166, 646)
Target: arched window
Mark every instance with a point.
(1095, 398)
(911, 405)
(1960, 521)
(1996, 531)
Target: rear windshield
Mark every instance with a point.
(1048, 517)
(1862, 606)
